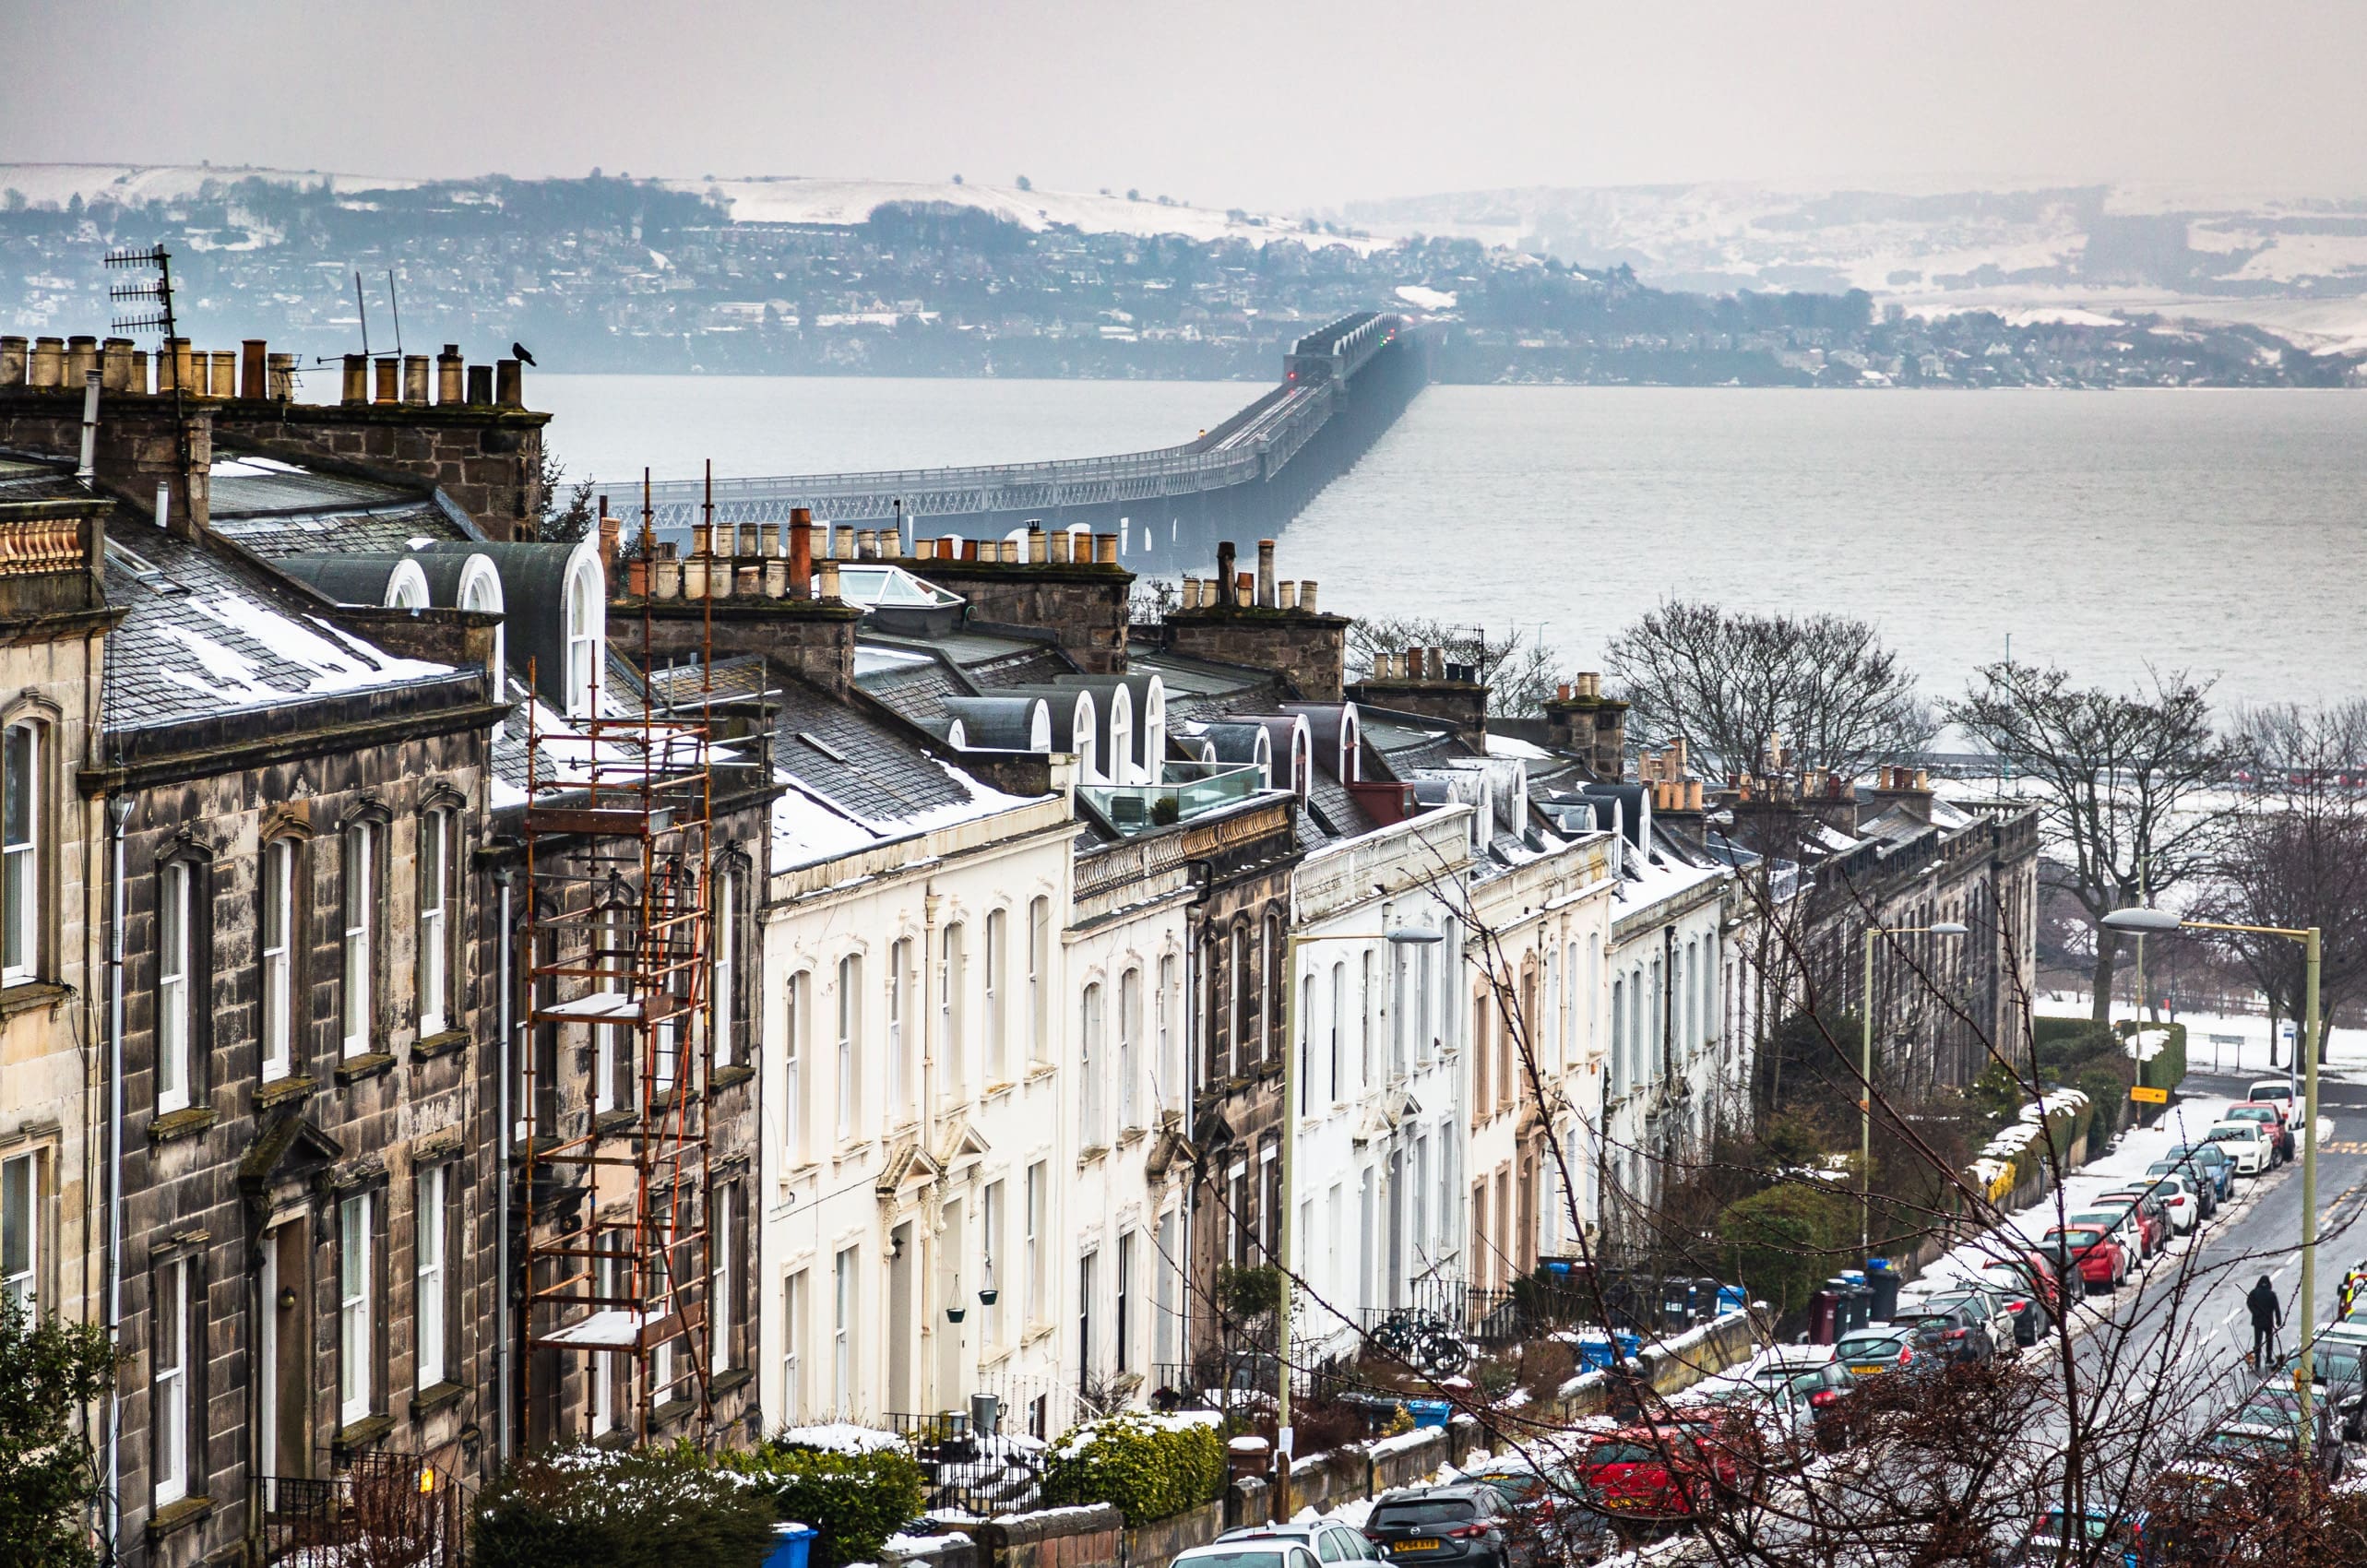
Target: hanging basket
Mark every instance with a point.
(954, 1314)
(986, 1297)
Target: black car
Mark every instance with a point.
(1954, 1327)
(2206, 1189)
(1467, 1523)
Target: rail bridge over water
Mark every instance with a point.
(1343, 385)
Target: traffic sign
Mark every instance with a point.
(2149, 1097)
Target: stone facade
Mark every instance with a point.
(1238, 932)
(1083, 605)
(248, 1186)
(1305, 647)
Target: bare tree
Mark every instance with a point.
(2119, 778)
(2295, 855)
(1734, 683)
(1519, 672)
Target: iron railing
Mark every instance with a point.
(382, 1511)
(968, 1470)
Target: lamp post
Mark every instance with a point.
(1865, 1068)
(2141, 921)
(1404, 936)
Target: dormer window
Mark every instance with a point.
(587, 613)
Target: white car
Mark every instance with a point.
(2279, 1090)
(2178, 1195)
(2245, 1144)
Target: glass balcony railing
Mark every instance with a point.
(1185, 789)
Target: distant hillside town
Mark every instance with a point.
(817, 277)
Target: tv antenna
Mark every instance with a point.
(158, 317)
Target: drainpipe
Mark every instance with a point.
(501, 1391)
(119, 811)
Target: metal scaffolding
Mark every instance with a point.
(618, 937)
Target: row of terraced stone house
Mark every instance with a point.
(1004, 972)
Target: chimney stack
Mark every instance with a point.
(386, 379)
(222, 380)
(800, 552)
(611, 529)
(283, 376)
(414, 378)
(481, 386)
(46, 370)
(451, 375)
(509, 384)
(357, 379)
(13, 358)
(114, 367)
(253, 363)
(1225, 589)
(81, 359)
(1266, 575)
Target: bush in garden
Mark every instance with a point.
(2108, 1095)
(854, 1500)
(599, 1508)
(1781, 1241)
(1149, 1467)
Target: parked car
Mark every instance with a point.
(2150, 1201)
(2058, 1537)
(2181, 1195)
(2338, 1369)
(2093, 1250)
(1871, 1352)
(2152, 1214)
(1955, 1325)
(1660, 1472)
(2016, 1312)
(2202, 1188)
(2271, 1117)
(1464, 1523)
(2126, 1224)
(2029, 1274)
(1329, 1540)
(1554, 1516)
(1271, 1552)
(2210, 1160)
(2276, 1091)
(2245, 1144)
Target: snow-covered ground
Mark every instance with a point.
(2219, 1043)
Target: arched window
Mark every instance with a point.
(1129, 1046)
(276, 933)
(587, 613)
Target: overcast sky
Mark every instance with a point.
(1270, 103)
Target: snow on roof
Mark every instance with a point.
(1513, 746)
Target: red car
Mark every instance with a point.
(2102, 1261)
(2280, 1131)
(1660, 1472)
(2152, 1215)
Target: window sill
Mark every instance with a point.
(186, 1124)
(361, 1434)
(609, 1121)
(1037, 1070)
(433, 1398)
(354, 1069)
(26, 996)
(1131, 1136)
(435, 1045)
(178, 1515)
(672, 1410)
(730, 1077)
(279, 1091)
(1036, 1334)
(1091, 1154)
(725, 1382)
(998, 1090)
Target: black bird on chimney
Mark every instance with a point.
(518, 352)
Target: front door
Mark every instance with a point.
(283, 1362)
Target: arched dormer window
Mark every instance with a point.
(480, 589)
(587, 625)
(1122, 737)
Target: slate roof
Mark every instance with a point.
(23, 480)
(378, 533)
(202, 635)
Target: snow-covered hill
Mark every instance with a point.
(135, 185)
(2293, 262)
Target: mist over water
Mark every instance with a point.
(2221, 531)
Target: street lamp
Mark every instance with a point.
(2143, 921)
(1865, 1068)
(1404, 936)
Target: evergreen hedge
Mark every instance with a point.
(854, 1500)
(595, 1508)
(1786, 1242)
(1150, 1467)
